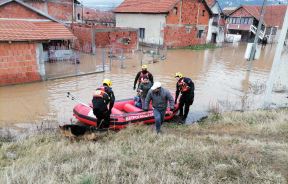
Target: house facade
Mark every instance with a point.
(174, 23)
(243, 22)
(216, 26)
(26, 35)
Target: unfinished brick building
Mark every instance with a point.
(175, 23)
(89, 37)
(63, 10)
(25, 35)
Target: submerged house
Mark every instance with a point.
(243, 22)
(26, 38)
(174, 23)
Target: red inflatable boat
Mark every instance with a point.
(123, 113)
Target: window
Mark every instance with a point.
(142, 33)
(274, 30)
(188, 29)
(203, 13)
(200, 33)
(175, 10)
(78, 16)
(238, 20)
(242, 21)
(246, 20)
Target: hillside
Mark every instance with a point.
(250, 147)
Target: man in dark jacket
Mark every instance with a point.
(102, 97)
(160, 97)
(142, 74)
(186, 86)
(144, 87)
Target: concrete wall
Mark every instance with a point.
(153, 24)
(18, 63)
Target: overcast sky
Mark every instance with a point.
(109, 4)
(101, 3)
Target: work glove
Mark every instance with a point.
(134, 88)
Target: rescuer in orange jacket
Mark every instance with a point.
(141, 75)
(102, 97)
(185, 86)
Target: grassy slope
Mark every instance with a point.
(247, 147)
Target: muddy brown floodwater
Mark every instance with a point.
(220, 75)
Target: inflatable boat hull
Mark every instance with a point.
(123, 113)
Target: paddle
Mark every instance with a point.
(74, 98)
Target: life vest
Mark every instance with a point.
(183, 87)
(101, 93)
(142, 76)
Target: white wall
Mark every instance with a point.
(215, 29)
(153, 24)
(233, 38)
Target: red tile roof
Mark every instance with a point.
(18, 30)
(146, 6)
(98, 16)
(274, 14)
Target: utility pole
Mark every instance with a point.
(253, 50)
(82, 11)
(276, 62)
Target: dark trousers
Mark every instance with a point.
(184, 103)
(159, 116)
(103, 118)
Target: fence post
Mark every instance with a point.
(110, 56)
(103, 59)
(75, 62)
(122, 59)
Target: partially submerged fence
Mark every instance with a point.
(68, 63)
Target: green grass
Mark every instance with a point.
(199, 47)
(250, 147)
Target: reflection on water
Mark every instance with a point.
(220, 77)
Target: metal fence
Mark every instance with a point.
(153, 54)
(60, 63)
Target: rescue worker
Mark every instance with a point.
(159, 97)
(142, 74)
(102, 97)
(186, 86)
(143, 89)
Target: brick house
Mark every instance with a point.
(243, 22)
(25, 35)
(216, 23)
(63, 10)
(95, 17)
(175, 23)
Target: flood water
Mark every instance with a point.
(220, 75)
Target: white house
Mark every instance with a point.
(149, 25)
(175, 23)
(216, 23)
